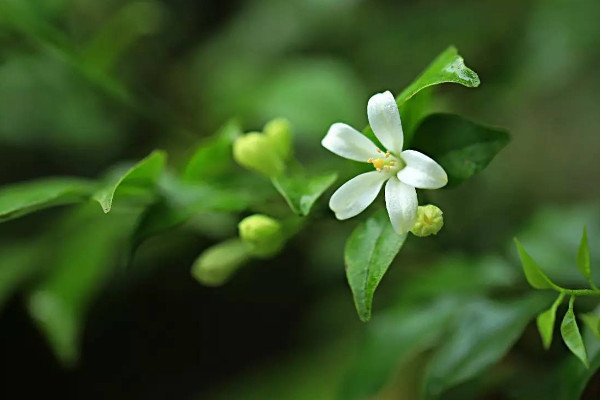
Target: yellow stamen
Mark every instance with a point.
(377, 163)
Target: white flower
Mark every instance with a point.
(405, 171)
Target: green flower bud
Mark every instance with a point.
(429, 221)
(217, 264)
(263, 235)
(279, 131)
(257, 152)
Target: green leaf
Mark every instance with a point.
(369, 251)
(24, 198)
(551, 235)
(462, 147)
(485, 332)
(592, 322)
(570, 334)
(572, 377)
(583, 257)
(137, 180)
(213, 158)
(413, 112)
(448, 67)
(88, 250)
(534, 274)
(301, 192)
(545, 322)
(391, 338)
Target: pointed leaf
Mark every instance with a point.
(592, 322)
(139, 179)
(545, 322)
(301, 192)
(370, 250)
(571, 335)
(447, 67)
(573, 376)
(583, 257)
(534, 274)
(24, 198)
(462, 147)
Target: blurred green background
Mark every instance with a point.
(85, 84)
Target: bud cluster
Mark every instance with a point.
(265, 152)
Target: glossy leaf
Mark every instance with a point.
(583, 257)
(213, 157)
(462, 147)
(138, 179)
(592, 322)
(534, 274)
(485, 332)
(369, 251)
(24, 198)
(447, 67)
(570, 334)
(545, 322)
(301, 192)
(391, 338)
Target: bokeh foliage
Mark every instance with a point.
(84, 84)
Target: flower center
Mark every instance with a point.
(386, 163)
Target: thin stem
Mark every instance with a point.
(581, 292)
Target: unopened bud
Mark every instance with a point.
(429, 221)
(257, 152)
(262, 234)
(217, 264)
(279, 131)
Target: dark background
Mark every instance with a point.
(172, 72)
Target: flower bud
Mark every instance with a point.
(257, 152)
(429, 221)
(263, 235)
(217, 264)
(279, 131)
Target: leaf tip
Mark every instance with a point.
(365, 316)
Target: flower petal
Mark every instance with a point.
(347, 142)
(401, 202)
(421, 171)
(357, 194)
(384, 119)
